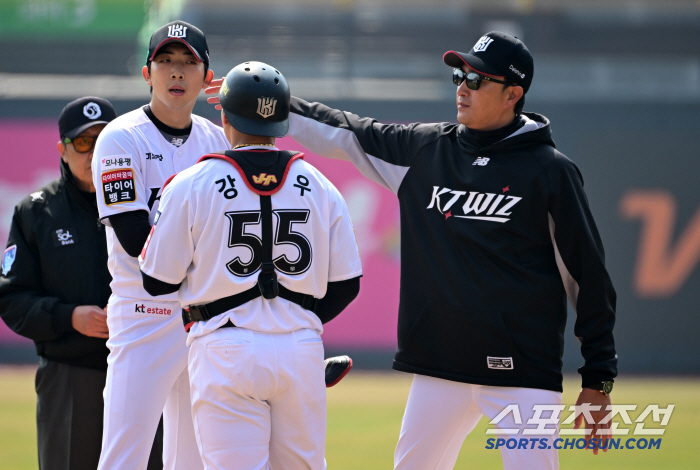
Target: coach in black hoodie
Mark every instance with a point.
(53, 285)
(496, 233)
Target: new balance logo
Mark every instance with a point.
(264, 179)
(480, 206)
(482, 44)
(266, 107)
(177, 31)
(481, 161)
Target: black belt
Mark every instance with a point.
(210, 310)
(267, 285)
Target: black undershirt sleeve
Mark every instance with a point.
(338, 296)
(155, 287)
(132, 229)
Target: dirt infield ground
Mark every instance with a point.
(364, 419)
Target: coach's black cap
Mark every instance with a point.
(83, 113)
(497, 54)
(180, 31)
(255, 98)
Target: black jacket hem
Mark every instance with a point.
(552, 386)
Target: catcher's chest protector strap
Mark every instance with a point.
(272, 179)
(265, 183)
(264, 180)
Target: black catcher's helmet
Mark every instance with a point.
(255, 98)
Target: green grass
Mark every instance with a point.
(17, 419)
(364, 419)
(365, 410)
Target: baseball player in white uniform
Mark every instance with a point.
(135, 154)
(260, 248)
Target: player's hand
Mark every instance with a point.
(90, 320)
(213, 89)
(594, 398)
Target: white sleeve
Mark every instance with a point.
(169, 250)
(344, 262)
(381, 152)
(117, 174)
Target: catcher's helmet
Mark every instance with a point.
(255, 98)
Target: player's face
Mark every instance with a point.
(176, 76)
(80, 162)
(485, 108)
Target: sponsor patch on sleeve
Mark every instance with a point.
(116, 161)
(118, 186)
(8, 259)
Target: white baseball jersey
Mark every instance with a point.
(208, 236)
(131, 162)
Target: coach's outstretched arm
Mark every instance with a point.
(382, 152)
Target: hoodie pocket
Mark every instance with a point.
(459, 341)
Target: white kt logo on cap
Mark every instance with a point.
(482, 44)
(177, 31)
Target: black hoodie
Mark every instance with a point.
(493, 240)
(60, 262)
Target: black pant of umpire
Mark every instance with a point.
(69, 416)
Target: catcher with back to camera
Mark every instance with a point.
(496, 233)
(266, 254)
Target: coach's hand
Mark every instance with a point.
(595, 399)
(90, 320)
(213, 89)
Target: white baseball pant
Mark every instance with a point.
(259, 399)
(441, 413)
(146, 376)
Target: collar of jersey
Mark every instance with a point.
(266, 148)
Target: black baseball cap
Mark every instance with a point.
(180, 31)
(84, 113)
(497, 54)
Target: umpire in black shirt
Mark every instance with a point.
(53, 284)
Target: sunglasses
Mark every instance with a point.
(473, 79)
(82, 143)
